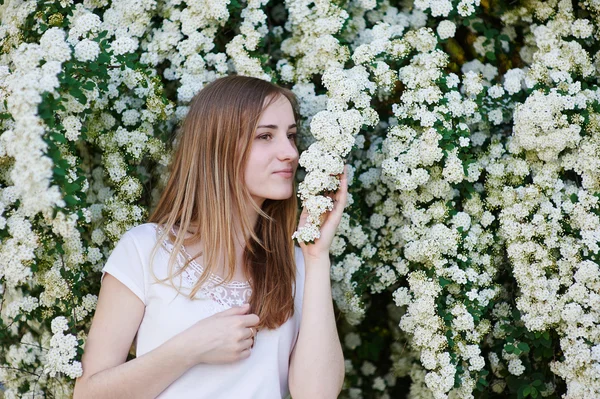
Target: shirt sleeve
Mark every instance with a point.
(299, 294)
(125, 264)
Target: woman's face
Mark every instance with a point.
(273, 157)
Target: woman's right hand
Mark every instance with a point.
(224, 337)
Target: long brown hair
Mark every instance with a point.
(206, 187)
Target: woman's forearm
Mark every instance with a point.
(143, 377)
(317, 365)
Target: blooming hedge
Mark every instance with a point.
(466, 264)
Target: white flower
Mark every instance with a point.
(59, 324)
(379, 384)
(130, 117)
(581, 28)
(440, 7)
(495, 116)
(87, 50)
(513, 79)
(352, 341)
(466, 7)
(495, 91)
(368, 368)
(462, 321)
(472, 83)
(446, 29)
(123, 45)
(54, 46)
(82, 24)
(541, 127)
(24, 305)
(401, 296)
(72, 126)
(462, 219)
(453, 170)
(515, 366)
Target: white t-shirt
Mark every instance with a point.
(262, 375)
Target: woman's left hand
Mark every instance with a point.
(330, 221)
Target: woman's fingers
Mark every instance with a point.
(340, 196)
(339, 199)
(248, 343)
(342, 193)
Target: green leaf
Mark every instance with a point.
(523, 346)
(517, 351)
(509, 348)
(78, 94)
(89, 85)
(479, 27)
(444, 282)
(58, 137)
(71, 188)
(59, 171)
(70, 200)
(103, 58)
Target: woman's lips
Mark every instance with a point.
(285, 173)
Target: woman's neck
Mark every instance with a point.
(239, 238)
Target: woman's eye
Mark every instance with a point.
(292, 136)
(265, 136)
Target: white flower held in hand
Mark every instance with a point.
(335, 130)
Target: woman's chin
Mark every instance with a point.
(281, 196)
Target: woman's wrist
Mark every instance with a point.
(319, 258)
(180, 346)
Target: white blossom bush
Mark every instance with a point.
(466, 263)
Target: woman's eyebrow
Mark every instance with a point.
(275, 126)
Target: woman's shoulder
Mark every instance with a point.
(143, 233)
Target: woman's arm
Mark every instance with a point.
(317, 362)
(105, 373)
(224, 337)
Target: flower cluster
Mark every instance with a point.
(63, 348)
(334, 129)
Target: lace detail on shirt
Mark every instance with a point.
(233, 293)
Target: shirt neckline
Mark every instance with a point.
(218, 279)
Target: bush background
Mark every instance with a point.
(467, 262)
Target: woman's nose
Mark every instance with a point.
(287, 150)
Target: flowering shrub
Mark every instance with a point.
(466, 264)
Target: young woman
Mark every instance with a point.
(220, 302)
